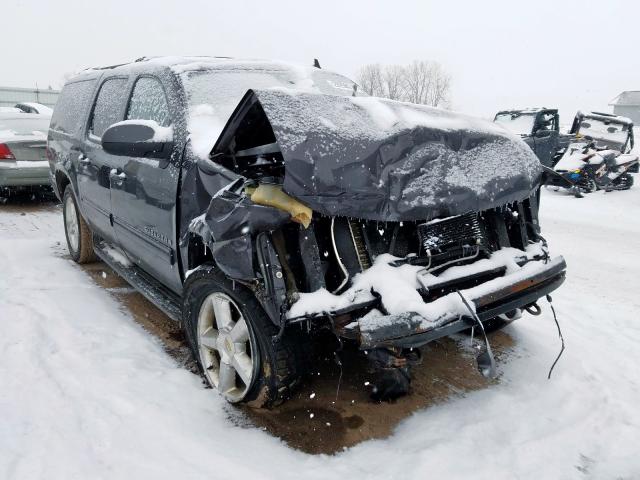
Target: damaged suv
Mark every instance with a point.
(260, 202)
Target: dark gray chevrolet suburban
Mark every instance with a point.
(260, 203)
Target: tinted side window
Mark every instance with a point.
(108, 106)
(148, 102)
(68, 113)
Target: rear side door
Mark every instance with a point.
(94, 164)
(144, 192)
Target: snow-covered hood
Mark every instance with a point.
(380, 159)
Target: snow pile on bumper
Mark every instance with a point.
(407, 313)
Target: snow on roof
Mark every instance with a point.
(191, 63)
(524, 110)
(627, 98)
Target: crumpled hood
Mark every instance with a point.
(380, 159)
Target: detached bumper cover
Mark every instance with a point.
(498, 296)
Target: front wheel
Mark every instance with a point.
(79, 238)
(589, 185)
(233, 342)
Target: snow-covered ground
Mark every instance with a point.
(87, 393)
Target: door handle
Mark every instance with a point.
(118, 176)
(84, 160)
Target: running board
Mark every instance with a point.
(152, 290)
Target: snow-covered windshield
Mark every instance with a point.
(517, 122)
(214, 94)
(603, 130)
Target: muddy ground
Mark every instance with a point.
(332, 409)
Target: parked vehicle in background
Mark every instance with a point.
(600, 157)
(607, 130)
(260, 203)
(23, 161)
(32, 107)
(540, 129)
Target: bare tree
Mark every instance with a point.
(440, 86)
(422, 82)
(370, 78)
(394, 82)
(427, 83)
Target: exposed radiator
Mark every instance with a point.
(441, 235)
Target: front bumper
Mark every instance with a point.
(22, 174)
(502, 295)
(490, 299)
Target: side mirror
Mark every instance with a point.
(138, 138)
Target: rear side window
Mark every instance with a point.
(68, 113)
(148, 102)
(108, 107)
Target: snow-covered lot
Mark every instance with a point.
(85, 392)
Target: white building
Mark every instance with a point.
(627, 104)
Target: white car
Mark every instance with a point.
(23, 138)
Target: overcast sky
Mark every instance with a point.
(501, 54)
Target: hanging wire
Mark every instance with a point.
(559, 334)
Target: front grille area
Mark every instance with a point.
(352, 245)
(455, 232)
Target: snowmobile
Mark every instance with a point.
(600, 159)
(540, 129)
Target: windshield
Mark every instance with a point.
(214, 94)
(15, 125)
(604, 130)
(517, 122)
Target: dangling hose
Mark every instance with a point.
(559, 334)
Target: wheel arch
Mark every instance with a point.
(61, 180)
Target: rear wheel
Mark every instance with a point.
(79, 238)
(232, 340)
(624, 181)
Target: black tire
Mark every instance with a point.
(589, 185)
(279, 366)
(625, 181)
(81, 250)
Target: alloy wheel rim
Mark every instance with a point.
(71, 224)
(226, 347)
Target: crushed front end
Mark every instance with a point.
(396, 284)
(390, 224)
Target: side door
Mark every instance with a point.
(94, 165)
(546, 137)
(144, 193)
